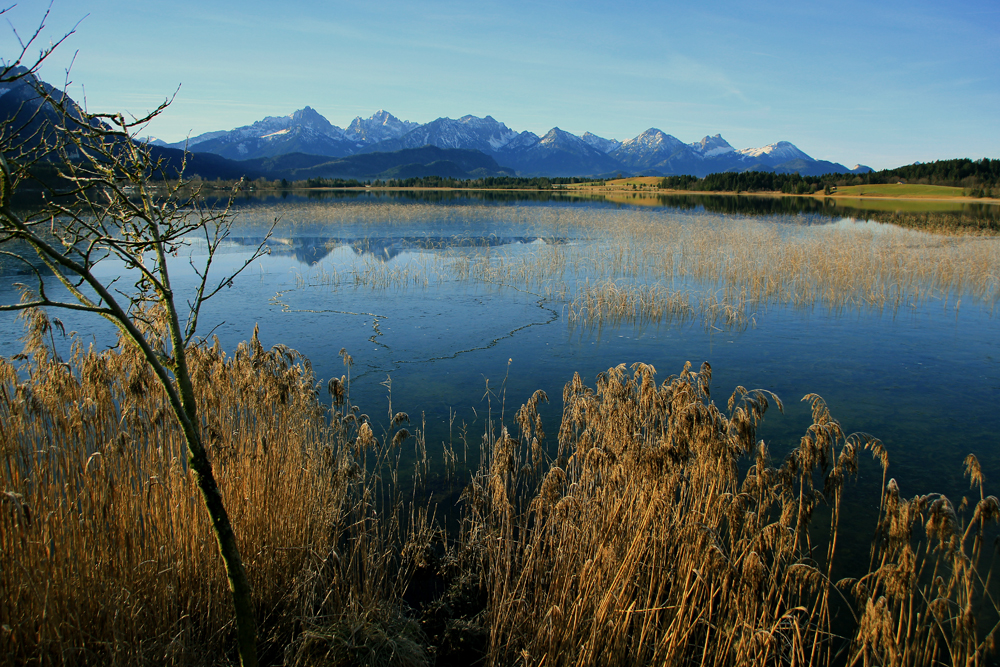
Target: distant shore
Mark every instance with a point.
(644, 190)
(649, 185)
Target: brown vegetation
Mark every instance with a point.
(660, 531)
(640, 266)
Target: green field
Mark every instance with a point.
(900, 190)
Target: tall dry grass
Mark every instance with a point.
(640, 265)
(656, 530)
(105, 552)
(663, 533)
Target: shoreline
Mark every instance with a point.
(648, 192)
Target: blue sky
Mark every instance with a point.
(883, 84)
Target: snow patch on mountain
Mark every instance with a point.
(781, 151)
(712, 146)
(312, 119)
(552, 136)
(381, 126)
(499, 142)
(652, 140)
(498, 134)
(600, 143)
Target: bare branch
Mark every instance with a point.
(7, 72)
(105, 206)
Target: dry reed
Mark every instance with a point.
(660, 532)
(105, 551)
(642, 543)
(731, 269)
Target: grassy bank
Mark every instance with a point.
(652, 527)
(894, 191)
(901, 190)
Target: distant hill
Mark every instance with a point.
(24, 117)
(207, 165)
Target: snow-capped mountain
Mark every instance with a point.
(558, 153)
(651, 150)
(712, 146)
(380, 127)
(776, 153)
(482, 134)
(303, 131)
(524, 140)
(600, 143)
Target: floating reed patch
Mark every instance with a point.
(614, 303)
(730, 268)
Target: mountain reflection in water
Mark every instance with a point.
(310, 250)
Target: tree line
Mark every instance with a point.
(980, 178)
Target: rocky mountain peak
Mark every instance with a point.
(713, 145)
(600, 143)
(651, 140)
(781, 151)
(309, 117)
(381, 126)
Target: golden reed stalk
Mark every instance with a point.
(661, 532)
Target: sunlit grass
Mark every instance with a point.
(900, 190)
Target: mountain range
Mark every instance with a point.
(557, 153)
(304, 144)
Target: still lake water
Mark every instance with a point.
(376, 275)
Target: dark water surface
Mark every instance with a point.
(925, 378)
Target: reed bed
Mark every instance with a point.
(643, 543)
(656, 529)
(612, 303)
(106, 555)
(731, 268)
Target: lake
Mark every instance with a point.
(455, 305)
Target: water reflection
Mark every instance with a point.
(311, 250)
(440, 326)
(907, 213)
